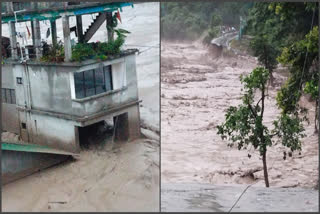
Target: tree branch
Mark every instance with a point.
(253, 112)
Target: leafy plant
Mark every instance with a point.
(82, 51)
(302, 59)
(54, 53)
(99, 50)
(244, 123)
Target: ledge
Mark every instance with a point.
(123, 53)
(81, 118)
(82, 100)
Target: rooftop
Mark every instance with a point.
(123, 53)
(56, 10)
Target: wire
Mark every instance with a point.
(241, 195)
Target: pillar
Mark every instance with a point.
(66, 38)
(36, 33)
(53, 32)
(134, 122)
(121, 126)
(37, 38)
(13, 33)
(79, 29)
(109, 24)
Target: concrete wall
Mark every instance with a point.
(46, 100)
(46, 130)
(123, 74)
(52, 88)
(10, 120)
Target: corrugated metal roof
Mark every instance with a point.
(71, 10)
(23, 147)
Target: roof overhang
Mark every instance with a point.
(72, 10)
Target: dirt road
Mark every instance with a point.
(196, 90)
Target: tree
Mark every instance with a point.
(286, 33)
(189, 20)
(302, 60)
(266, 53)
(244, 123)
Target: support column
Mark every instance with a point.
(121, 126)
(37, 38)
(134, 122)
(36, 34)
(67, 39)
(53, 32)
(79, 29)
(109, 24)
(13, 33)
(32, 33)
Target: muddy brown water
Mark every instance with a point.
(196, 89)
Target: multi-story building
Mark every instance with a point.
(54, 103)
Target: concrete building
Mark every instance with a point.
(53, 104)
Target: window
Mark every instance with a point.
(24, 125)
(108, 77)
(92, 82)
(3, 95)
(89, 83)
(19, 80)
(8, 96)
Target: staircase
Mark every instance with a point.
(94, 26)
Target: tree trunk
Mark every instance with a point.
(265, 169)
(316, 122)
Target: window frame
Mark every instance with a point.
(9, 95)
(83, 78)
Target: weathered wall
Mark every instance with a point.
(47, 86)
(48, 89)
(50, 131)
(51, 87)
(88, 106)
(10, 121)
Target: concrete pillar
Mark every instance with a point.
(13, 40)
(79, 29)
(134, 122)
(37, 38)
(67, 39)
(53, 32)
(121, 126)
(36, 33)
(13, 33)
(32, 32)
(109, 23)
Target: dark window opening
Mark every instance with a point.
(24, 125)
(95, 135)
(19, 80)
(92, 82)
(8, 96)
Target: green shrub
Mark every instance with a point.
(82, 51)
